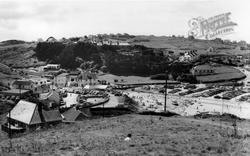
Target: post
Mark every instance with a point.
(20, 91)
(10, 130)
(166, 84)
(9, 124)
(103, 110)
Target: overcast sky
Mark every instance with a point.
(33, 19)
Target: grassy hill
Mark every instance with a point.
(175, 43)
(151, 135)
(18, 55)
(222, 74)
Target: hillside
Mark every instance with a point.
(21, 54)
(151, 135)
(175, 43)
(18, 55)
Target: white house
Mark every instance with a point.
(61, 80)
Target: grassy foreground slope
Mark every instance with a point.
(151, 135)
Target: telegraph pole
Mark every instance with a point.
(9, 126)
(166, 84)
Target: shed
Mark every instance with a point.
(52, 116)
(73, 115)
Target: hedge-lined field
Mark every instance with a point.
(222, 73)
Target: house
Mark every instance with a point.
(96, 87)
(25, 114)
(40, 81)
(73, 78)
(5, 69)
(52, 67)
(73, 115)
(188, 56)
(61, 80)
(202, 70)
(23, 84)
(28, 115)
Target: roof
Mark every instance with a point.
(52, 116)
(74, 73)
(204, 67)
(72, 114)
(52, 96)
(15, 92)
(103, 87)
(22, 82)
(62, 75)
(25, 112)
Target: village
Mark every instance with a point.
(49, 95)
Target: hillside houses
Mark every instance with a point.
(188, 56)
(35, 84)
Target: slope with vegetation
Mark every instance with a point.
(150, 135)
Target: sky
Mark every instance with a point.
(32, 19)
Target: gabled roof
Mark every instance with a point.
(25, 112)
(72, 114)
(51, 96)
(52, 116)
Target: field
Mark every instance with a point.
(151, 135)
(222, 73)
(175, 43)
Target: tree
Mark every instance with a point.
(191, 37)
(66, 58)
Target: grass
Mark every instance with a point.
(175, 43)
(222, 73)
(151, 135)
